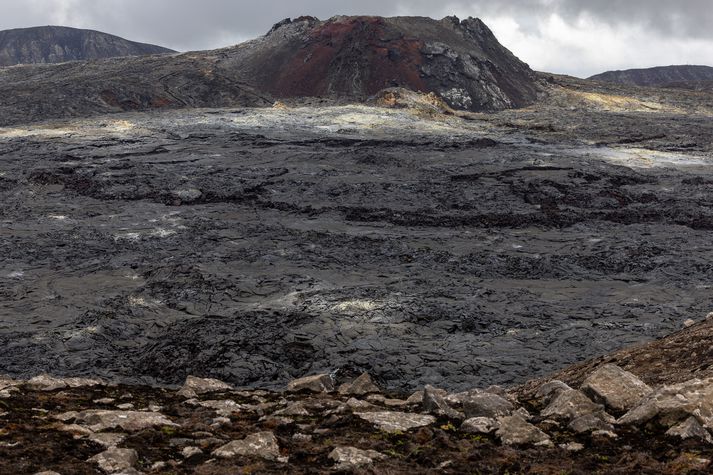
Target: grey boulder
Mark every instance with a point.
(317, 384)
(617, 389)
(261, 444)
(487, 405)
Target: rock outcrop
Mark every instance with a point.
(58, 44)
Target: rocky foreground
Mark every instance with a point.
(611, 422)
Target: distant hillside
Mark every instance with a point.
(663, 76)
(343, 59)
(58, 44)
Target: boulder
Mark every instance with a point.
(359, 387)
(107, 439)
(115, 460)
(261, 444)
(295, 409)
(569, 405)
(45, 382)
(617, 389)
(675, 403)
(195, 386)
(548, 391)
(132, 421)
(396, 421)
(348, 458)
(487, 405)
(317, 384)
(225, 407)
(479, 425)
(189, 452)
(691, 429)
(589, 423)
(514, 430)
(434, 403)
(457, 399)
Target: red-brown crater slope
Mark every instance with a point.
(355, 57)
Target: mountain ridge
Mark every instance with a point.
(59, 44)
(346, 59)
(659, 76)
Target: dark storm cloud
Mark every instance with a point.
(521, 24)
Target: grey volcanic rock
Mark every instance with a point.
(261, 444)
(662, 76)
(115, 460)
(674, 403)
(59, 44)
(317, 384)
(617, 389)
(514, 430)
(571, 405)
(350, 457)
(195, 386)
(487, 405)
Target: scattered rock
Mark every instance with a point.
(396, 421)
(589, 423)
(74, 429)
(479, 425)
(107, 439)
(295, 409)
(689, 323)
(548, 391)
(415, 398)
(115, 460)
(360, 386)
(691, 429)
(195, 386)
(458, 399)
(317, 384)
(514, 430)
(617, 389)
(132, 421)
(351, 457)
(224, 408)
(572, 447)
(359, 405)
(299, 437)
(605, 434)
(105, 400)
(487, 405)
(675, 403)
(434, 403)
(45, 382)
(125, 407)
(261, 444)
(569, 405)
(189, 452)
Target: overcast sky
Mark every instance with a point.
(578, 37)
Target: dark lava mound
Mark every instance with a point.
(356, 57)
(58, 44)
(345, 58)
